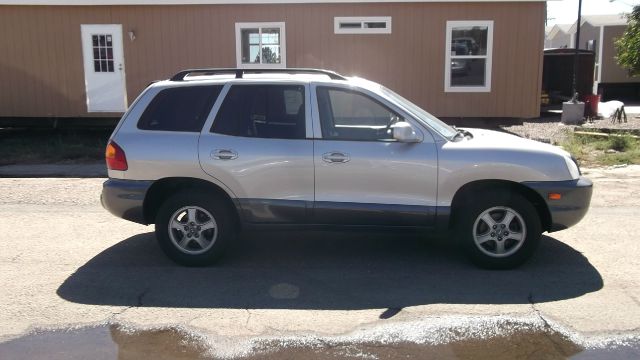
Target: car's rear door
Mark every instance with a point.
(258, 146)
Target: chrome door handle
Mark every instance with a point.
(224, 154)
(335, 157)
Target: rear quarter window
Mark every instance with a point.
(179, 109)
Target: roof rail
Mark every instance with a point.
(240, 72)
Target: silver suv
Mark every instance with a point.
(212, 151)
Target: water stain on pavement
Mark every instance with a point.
(117, 342)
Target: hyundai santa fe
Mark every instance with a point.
(212, 151)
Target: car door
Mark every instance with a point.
(362, 175)
(258, 146)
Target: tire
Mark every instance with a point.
(514, 238)
(194, 229)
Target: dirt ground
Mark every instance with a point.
(66, 262)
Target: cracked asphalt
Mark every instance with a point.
(66, 262)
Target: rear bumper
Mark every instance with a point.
(572, 207)
(125, 198)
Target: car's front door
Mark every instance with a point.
(259, 148)
(362, 175)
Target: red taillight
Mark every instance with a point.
(116, 159)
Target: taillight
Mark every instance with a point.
(116, 159)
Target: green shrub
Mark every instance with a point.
(621, 143)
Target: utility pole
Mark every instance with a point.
(574, 87)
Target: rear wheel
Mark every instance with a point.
(194, 229)
(500, 230)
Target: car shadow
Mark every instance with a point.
(325, 270)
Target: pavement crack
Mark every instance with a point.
(138, 304)
(141, 296)
(548, 329)
(537, 311)
(246, 323)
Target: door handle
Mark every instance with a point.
(335, 157)
(224, 154)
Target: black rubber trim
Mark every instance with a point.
(125, 198)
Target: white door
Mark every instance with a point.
(104, 76)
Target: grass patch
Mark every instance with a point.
(39, 146)
(596, 151)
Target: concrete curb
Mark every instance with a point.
(90, 170)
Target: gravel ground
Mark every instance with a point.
(546, 129)
(549, 129)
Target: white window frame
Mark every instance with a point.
(488, 57)
(362, 20)
(261, 25)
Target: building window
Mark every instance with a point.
(469, 47)
(260, 45)
(362, 25)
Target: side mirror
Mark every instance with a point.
(405, 133)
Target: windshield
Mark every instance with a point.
(432, 121)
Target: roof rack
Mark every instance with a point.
(240, 72)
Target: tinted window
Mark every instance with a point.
(180, 108)
(265, 111)
(350, 115)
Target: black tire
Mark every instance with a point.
(223, 229)
(497, 204)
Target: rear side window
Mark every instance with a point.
(180, 108)
(264, 111)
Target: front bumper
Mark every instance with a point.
(573, 205)
(125, 198)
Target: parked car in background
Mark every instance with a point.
(469, 42)
(213, 151)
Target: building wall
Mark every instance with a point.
(42, 74)
(611, 71)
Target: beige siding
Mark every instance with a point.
(42, 70)
(611, 71)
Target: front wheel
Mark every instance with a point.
(194, 229)
(499, 231)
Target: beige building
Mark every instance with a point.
(598, 33)
(474, 58)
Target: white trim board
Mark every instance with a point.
(227, 2)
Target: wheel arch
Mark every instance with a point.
(164, 188)
(465, 194)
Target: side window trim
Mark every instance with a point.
(206, 129)
(317, 126)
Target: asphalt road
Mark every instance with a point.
(66, 262)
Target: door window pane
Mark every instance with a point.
(349, 115)
(102, 53)
(180, 108)
(265, 111)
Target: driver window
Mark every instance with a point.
(350, 115)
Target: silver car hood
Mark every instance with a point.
(497, 140)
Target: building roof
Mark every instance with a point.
(199, 2)
(556, 29)
(601, 20)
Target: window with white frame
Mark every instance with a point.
(469, 48)
(362, 25)
(260, 45)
